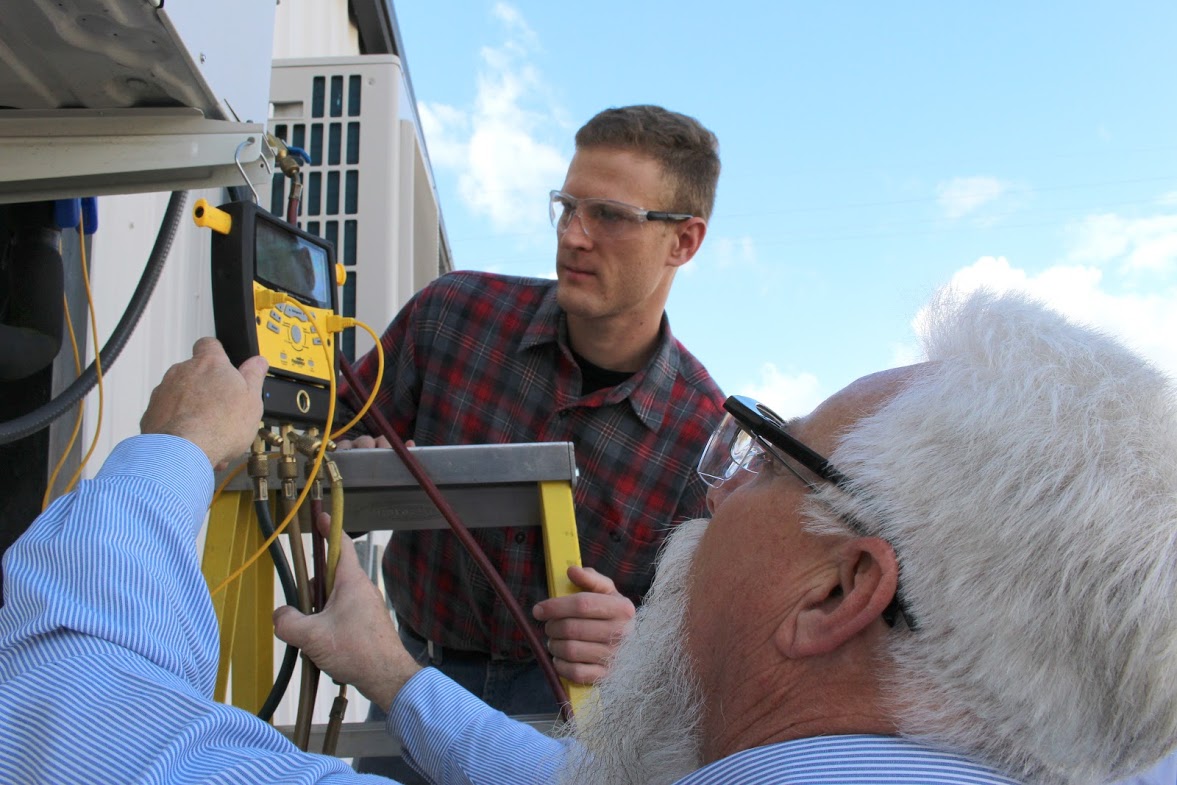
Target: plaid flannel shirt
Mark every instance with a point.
(476, 358)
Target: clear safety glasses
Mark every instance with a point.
(602, 219)
(749, 433)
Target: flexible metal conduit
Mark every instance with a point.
(25, 425)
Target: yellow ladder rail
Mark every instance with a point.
(561, 551)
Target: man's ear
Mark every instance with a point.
(689, 236)
(854, 594)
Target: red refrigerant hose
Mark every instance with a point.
(359, 395)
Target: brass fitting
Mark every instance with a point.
(288, 163)
(333, 473)
(309, 443)
(258, 466)
(316, 483)
(288, 465)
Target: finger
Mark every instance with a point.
(290, 626)
(363, 443)
(584, 605)
(382, 442)
(579, 673)
(349, 562)
(590, 580)
(605, 633)
(581, 652)
(207, 346)
(254, 370)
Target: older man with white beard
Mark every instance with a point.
(959, 571)
(976, 586)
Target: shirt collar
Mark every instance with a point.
(648, 390)
(836, 760)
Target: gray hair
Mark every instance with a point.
(1028, 484)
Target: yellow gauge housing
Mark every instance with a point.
(274, 287)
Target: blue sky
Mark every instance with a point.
(871, 153)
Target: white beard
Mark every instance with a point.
(642, 724)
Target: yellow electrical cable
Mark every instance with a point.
(335, 535)
(97, 357)
(73, 437)
(318, 462)
(379, 377)
(225, 483)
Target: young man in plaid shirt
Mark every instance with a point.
(476, 358)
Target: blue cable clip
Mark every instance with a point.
(68, 212)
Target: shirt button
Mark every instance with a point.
(562, 413)
(615, 536)
(520, 537)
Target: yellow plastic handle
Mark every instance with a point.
(204, 214)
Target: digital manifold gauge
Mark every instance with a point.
(258, 261)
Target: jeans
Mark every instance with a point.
(513, 688)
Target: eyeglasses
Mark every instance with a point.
(749, 437)
(602, 219)
(748, 431)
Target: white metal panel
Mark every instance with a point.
(106, 54)
(179, 312)
(229, 43)
(426, 223)
(314, 28)
(55, 155)
(104, 84)
(406, 194)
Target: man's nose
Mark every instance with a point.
(716, 495)
(576, 233)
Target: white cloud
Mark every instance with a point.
(963, 195)
(1117, 275)
(730, 252)
(788, 396)
(1145, 320)
(1140, 244)
(521, 32)
(444, 128)
(502, 147)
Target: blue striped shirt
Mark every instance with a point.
(485, 748)
(109, 647)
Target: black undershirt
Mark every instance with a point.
(594, 377)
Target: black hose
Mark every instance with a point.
(266, 523)
(285, 577)
(278, 691)
(25, 425)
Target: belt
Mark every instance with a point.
(437, 654)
